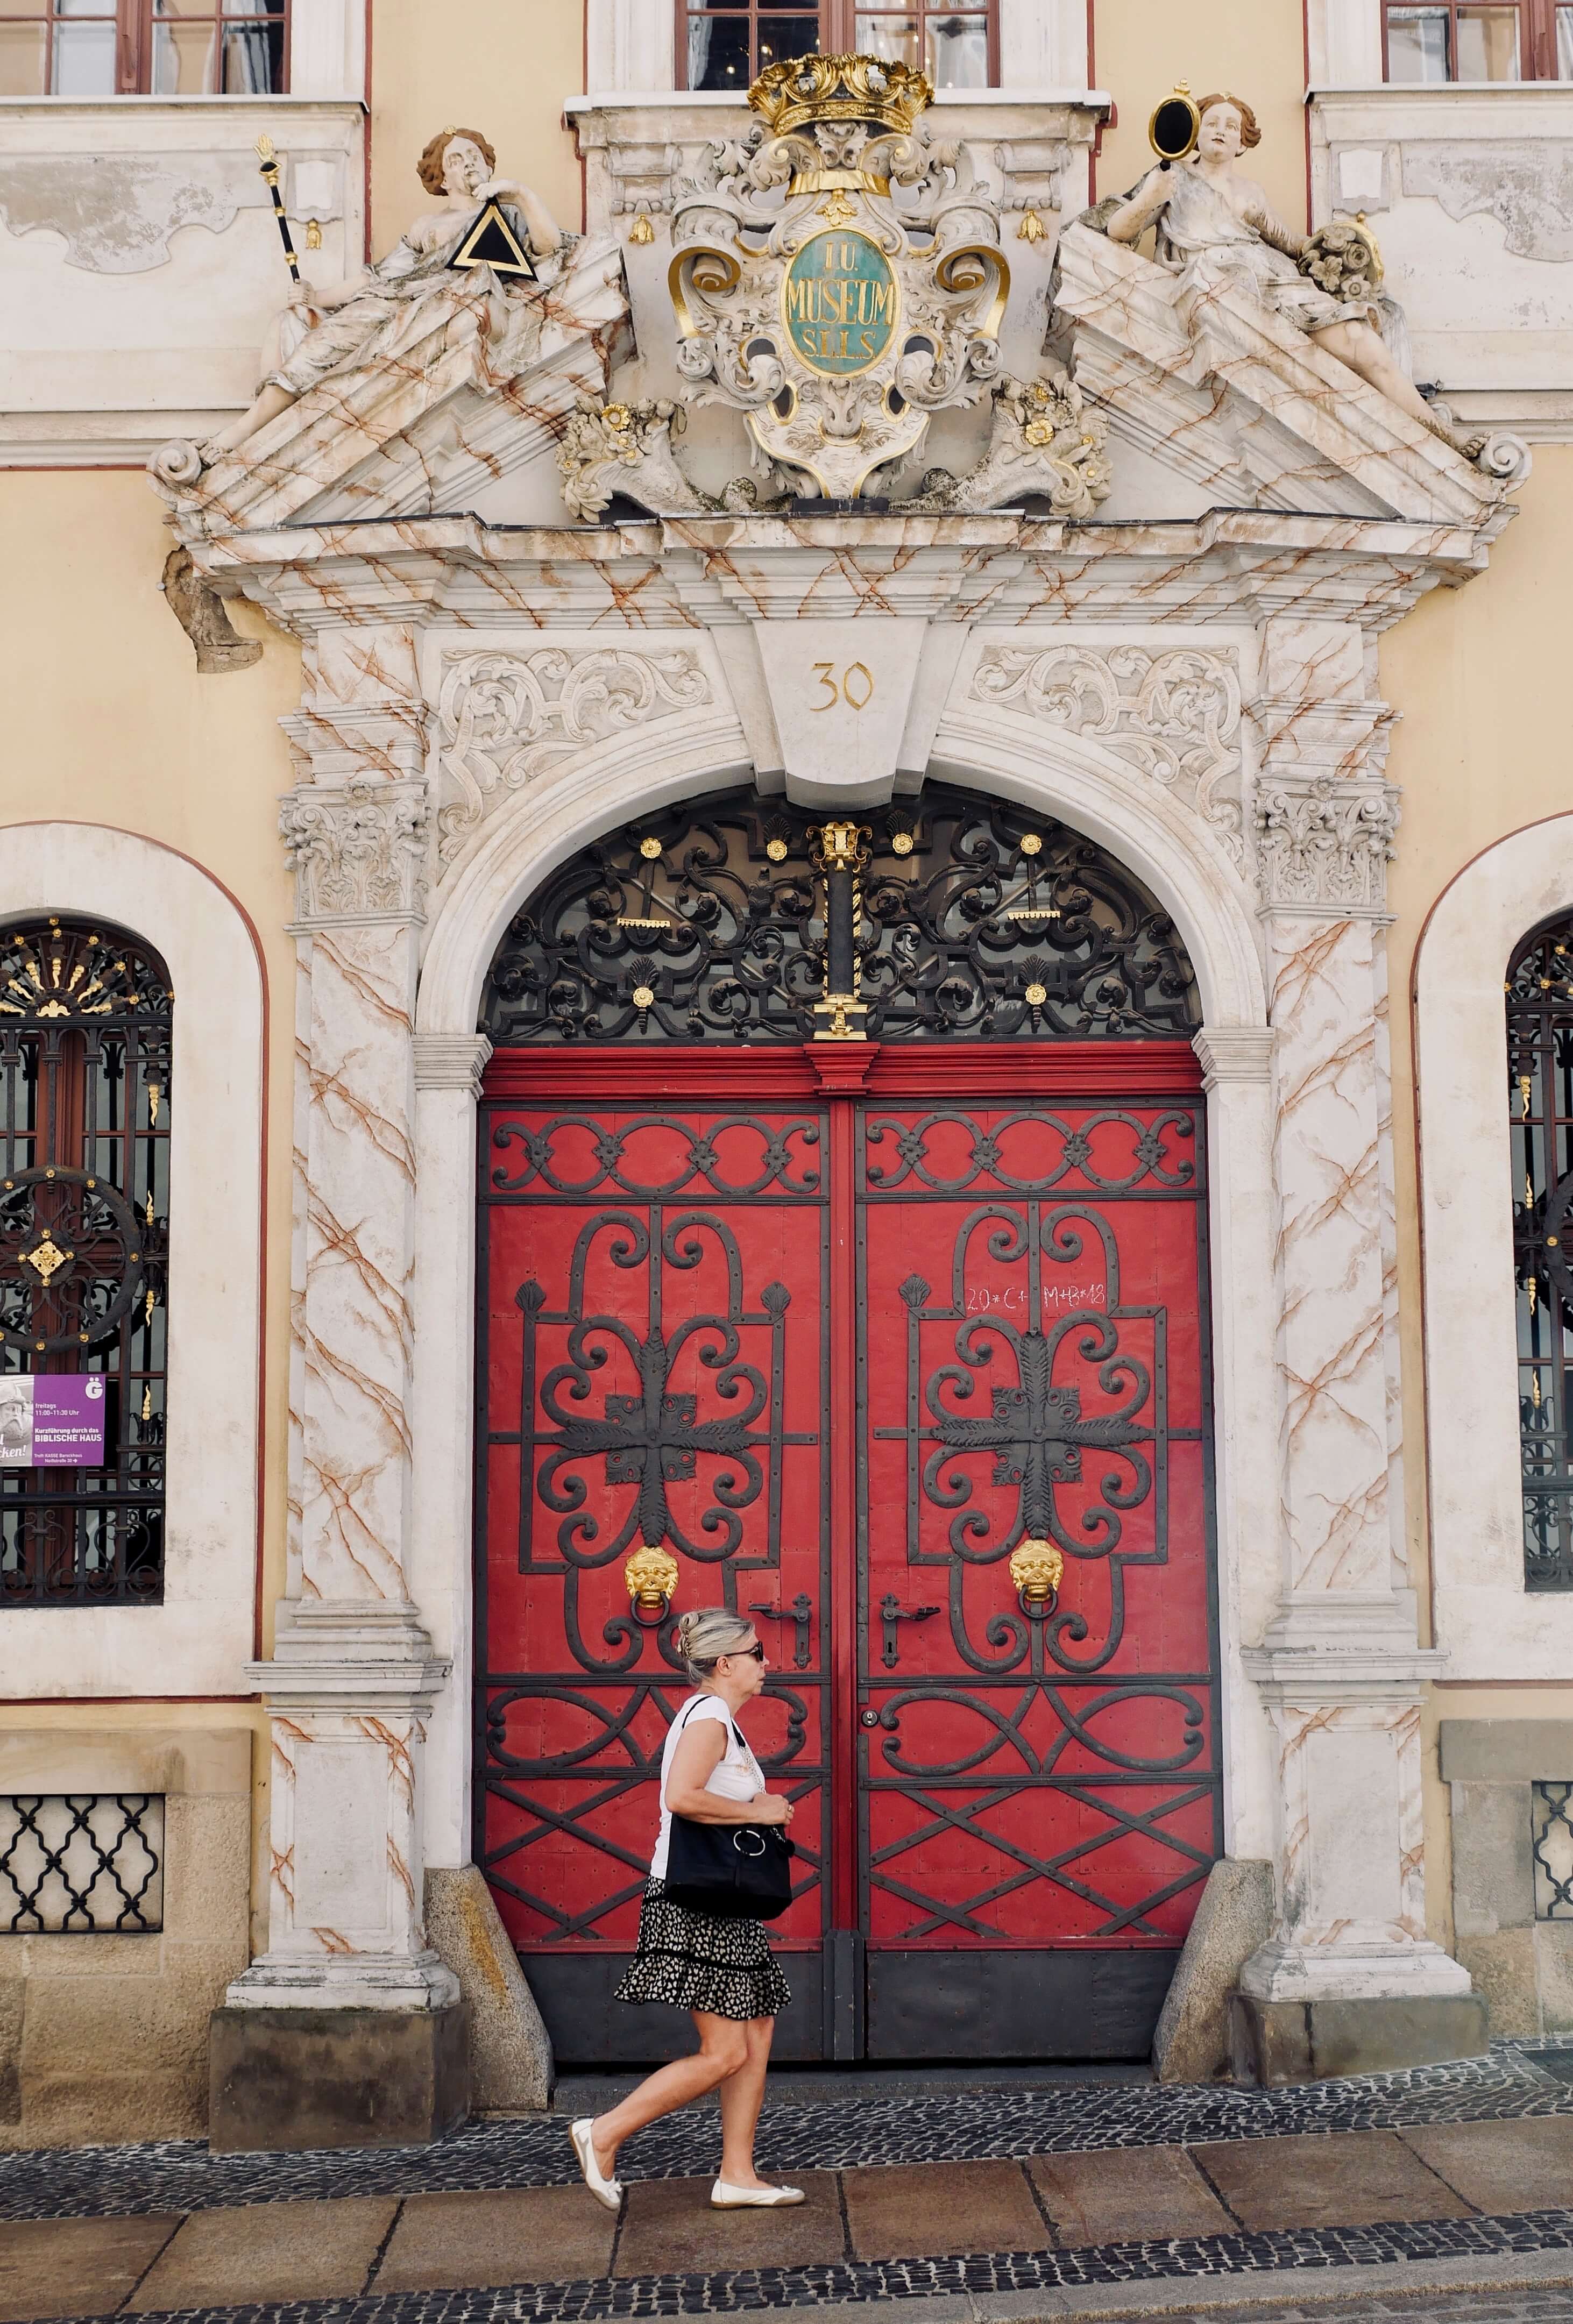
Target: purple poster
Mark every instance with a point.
(51, 1420)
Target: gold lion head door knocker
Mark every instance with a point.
(651, 1576)
(1035, 1568)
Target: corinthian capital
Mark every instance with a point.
(1323, 844)
(358, 853)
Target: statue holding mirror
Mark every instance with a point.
(1217, 227)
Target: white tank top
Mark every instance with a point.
(735, 1776)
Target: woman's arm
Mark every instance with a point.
(1258, 213)
(699, 1752)
(1130, 222)
(545, 234)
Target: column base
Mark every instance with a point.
(287, 2079)
(1273, 2043)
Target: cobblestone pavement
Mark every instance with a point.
(971, 2208)
(180, 2174)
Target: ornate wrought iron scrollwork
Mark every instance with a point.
(1540, 1041)
(975, 919)
(1035, 1428)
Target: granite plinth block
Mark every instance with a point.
(1274, 2042)
(510, 2050)
(1234, 1916)
(286, 2078)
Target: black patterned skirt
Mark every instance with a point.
(696, 1960)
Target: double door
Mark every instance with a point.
(917, 1381)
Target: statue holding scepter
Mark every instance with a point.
(368, 314)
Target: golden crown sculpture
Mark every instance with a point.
(800, 89)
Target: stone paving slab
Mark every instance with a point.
(1150, 2193)
(912, 2212)
(1500, 2166)
(1329, 2183)
(75, 2267)
(222, 2257)
(468, 2242)
(669, 2229)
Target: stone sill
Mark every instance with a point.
(1429, 92)
(143, 104)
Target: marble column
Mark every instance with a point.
(352, 1676)
(1339, 1666)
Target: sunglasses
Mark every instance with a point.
(755, 1652)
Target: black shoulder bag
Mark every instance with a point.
(737, 1871)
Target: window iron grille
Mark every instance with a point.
(85, 1862)
(961, 917)
(1551, 1833)
(85, 1016)
(1539, 1045)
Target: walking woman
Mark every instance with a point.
(721, 1970)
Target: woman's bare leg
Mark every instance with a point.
(742, 2095)
(723, 2050)
(1357, 344)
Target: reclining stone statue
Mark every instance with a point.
(1218, 229)
(370, 314)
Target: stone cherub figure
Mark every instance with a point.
(1220, 228)
(369, 313)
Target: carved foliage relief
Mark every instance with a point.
(505, 717)
(1174, 716)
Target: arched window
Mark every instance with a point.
(1540, 1064)
(85, 1016)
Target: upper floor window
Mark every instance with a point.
(1540, 1065)
(726, 44)
(1479, 40)
(85, 1016)
(147, 48)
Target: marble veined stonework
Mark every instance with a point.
(490, 684)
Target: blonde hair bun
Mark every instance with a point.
(705, 1633)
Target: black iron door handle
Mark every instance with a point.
(802, 1613)
(891, 1613)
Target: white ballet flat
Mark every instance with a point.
(726, 2198)
(604, 2191)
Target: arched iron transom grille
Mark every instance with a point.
(1540, 1062)
(84, 1227)
(749, 919)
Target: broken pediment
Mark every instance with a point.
(455, 401)
(1240, 403)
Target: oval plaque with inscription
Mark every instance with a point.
(839, 302)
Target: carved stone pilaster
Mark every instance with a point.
(352, 1676)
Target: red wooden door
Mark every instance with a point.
(840, 1353)
(1038, 1793)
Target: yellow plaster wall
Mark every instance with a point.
(1481, 748)
(1143, 47)
(503, 67)
(106, 721)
